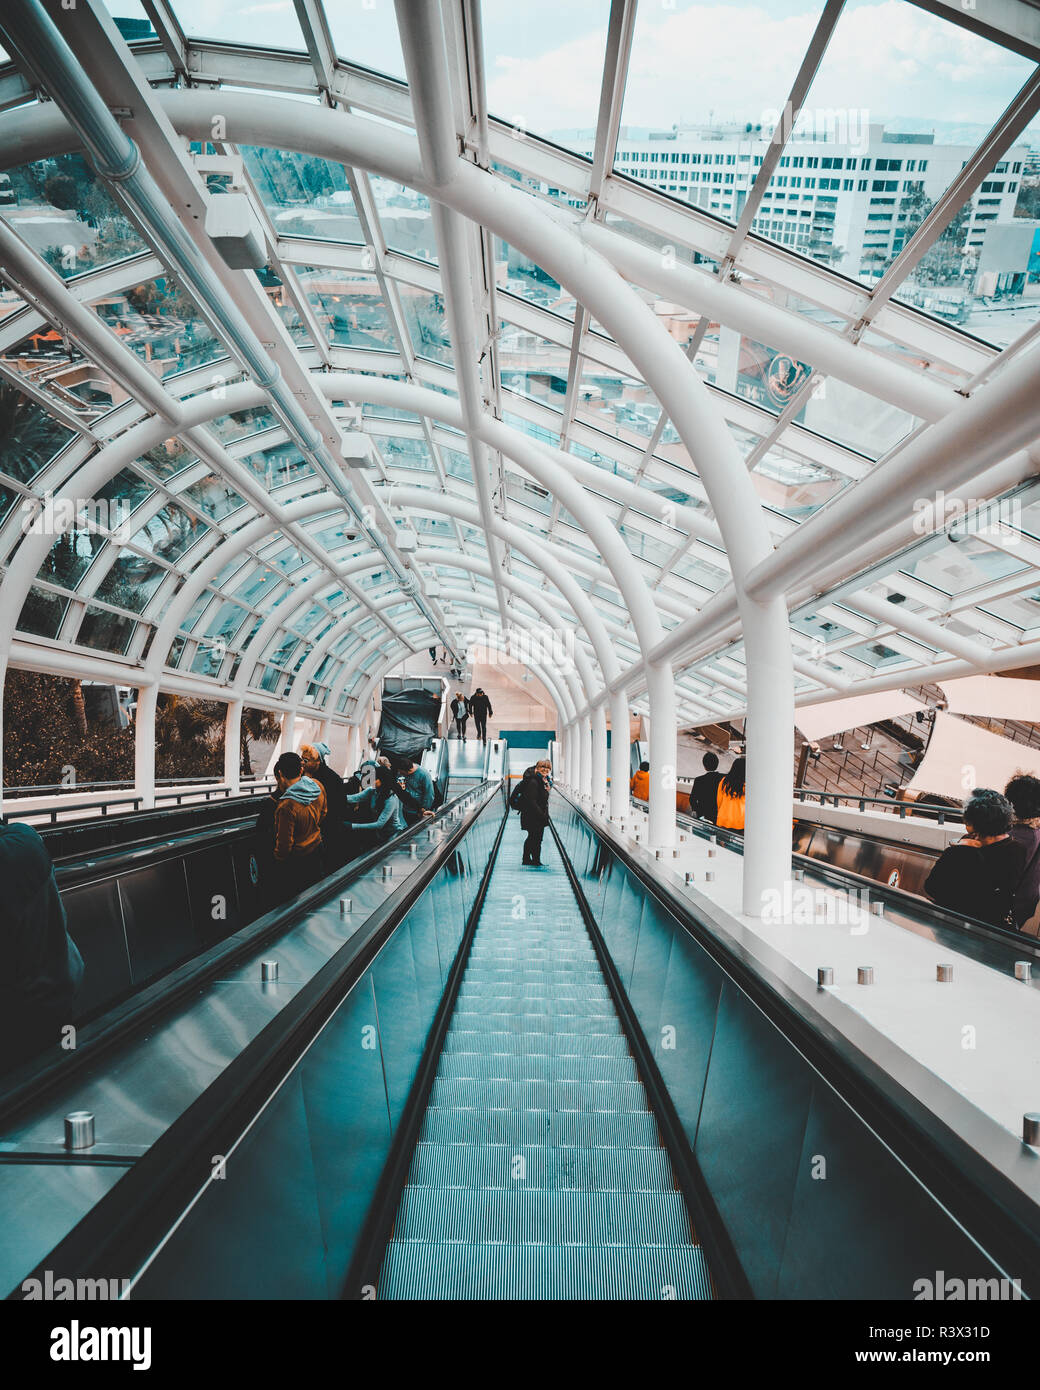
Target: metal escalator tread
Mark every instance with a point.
(539, 1171)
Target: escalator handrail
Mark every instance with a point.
(27, 1084)
(973, 1165)
(970, 928)
(127, 1226)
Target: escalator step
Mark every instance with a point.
(541, 1216)
(623, 1128)
(499, 1003)
(457, 1271)
(496, 1166)
(462, 1039)
(480, 988)
(535, 1066)
(539, 1171)
(489, 1094)
(501, 1021)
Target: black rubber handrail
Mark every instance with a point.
(127, 1226)
(362, 1278)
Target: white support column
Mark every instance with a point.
(769, 735)
(233, 746)
(144, 744)
(288, 734)
(570, 756)
(353, 748)
(619, 721)
(585, 755)
(599, 756)
(660, 689)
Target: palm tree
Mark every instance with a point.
(79, 708)
(260, 725)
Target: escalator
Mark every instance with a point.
(539, 1172)
(465, 763)
(556, 1083)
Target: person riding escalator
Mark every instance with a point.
(380, 814)
(530, 797)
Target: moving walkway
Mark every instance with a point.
(503, 1082)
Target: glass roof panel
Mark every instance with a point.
(266, 25)
(350, 307)
(554, 51)
(366, 33)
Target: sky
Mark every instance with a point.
(690, 61)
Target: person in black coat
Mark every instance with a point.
(480, 708)
(704, 794)
(42, 970)
(978, 876)
(334, 833)
(531, 798)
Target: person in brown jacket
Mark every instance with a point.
(298, 818)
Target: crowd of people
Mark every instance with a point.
(314, 822)
(993, 871)
(715, 796)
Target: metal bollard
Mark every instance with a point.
(825, 975)
(268, 971)
(709, 877)
(688, 877)
(346, 906)
(413, 850)
(1023, 970)
(79, 1129)
(944, 974)
(865, 975)
(1031, 1128)
(878, 909)
(388, 870)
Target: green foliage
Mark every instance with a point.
(41, 737)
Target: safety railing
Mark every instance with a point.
(124, 805)
(902, 809)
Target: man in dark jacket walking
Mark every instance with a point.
(480, 708)
(42, 969)
(531, 798)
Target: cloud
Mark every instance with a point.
(738, 60)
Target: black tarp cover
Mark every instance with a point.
(410, 718)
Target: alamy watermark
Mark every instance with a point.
(835, 125)
(53, 516)
(968, 515)
(539, 645)
(800, 905)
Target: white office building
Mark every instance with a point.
(846, 193)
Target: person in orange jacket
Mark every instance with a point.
(298, 819)
(639, 786)
(731, 797)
